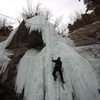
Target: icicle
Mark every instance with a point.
(3, 63)
(4, 60)
(29, 76)
(5, 43)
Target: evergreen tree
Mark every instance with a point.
(93, 5)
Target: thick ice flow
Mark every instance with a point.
(35, 69)
(29, 76)
(80, 78)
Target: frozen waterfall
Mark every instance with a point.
(35, 69)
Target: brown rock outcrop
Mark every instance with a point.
(89, 34)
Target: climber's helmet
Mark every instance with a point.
(59, 58)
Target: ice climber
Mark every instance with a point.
(58, 68)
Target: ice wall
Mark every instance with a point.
(35, 69)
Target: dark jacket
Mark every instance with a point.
(58, 64)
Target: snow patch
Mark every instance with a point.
(92, 54)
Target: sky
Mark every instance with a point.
(64, 8)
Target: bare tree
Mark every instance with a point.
(37, 9)
(27, 12)
(3, 22)
(63, 30)
(5, 26)
(57, 22)
(47, 14)
(32, 11)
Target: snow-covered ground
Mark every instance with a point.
(92, 54)
(35, 69)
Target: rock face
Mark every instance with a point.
(21, 42)
(26, 39)
(2, 38)
(89, 34)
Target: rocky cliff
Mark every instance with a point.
(87, 35)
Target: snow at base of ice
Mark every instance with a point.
(92, 54)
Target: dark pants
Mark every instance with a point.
(60, 72)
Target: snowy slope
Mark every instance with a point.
(35, 69)
(92, 54)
